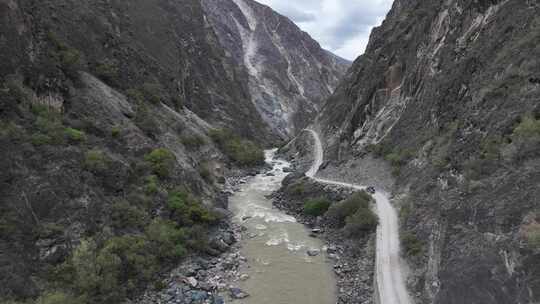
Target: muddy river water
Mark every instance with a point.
(276, 245)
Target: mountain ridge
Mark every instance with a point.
(289, 73)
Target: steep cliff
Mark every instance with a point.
(289, 73)
(448, 94)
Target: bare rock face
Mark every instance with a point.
(444, 91)
(289, 73)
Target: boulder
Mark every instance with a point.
(237, 293)
(313, 252)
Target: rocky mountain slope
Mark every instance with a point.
(448, 94)
(130, 44)
(112, 163)
(289, 73)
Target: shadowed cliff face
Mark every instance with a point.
(289, 74)
(445, 92)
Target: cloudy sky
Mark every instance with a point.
(341, 26)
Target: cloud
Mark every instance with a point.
(341, 26)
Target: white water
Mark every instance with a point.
(276, 246)
(391, 287)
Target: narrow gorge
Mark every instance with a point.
(212, 151)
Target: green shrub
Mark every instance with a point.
(316, 207)
(139, 264)
(40, 139)
(167, 239)
(48, 122)
(162, 162)
(70, 61)
(152, 184)
(58, 297)
(115, 131)
(297, 189)
(187, 209)
(96, 273)
(362, 222)
(340, 211)
(153, 92)
(529, 127)
(193, 142)
(96, 161)
(18, 91)
(146, 121)
(107, 70)
(379, 150)
(124, 215)
(197, 238)
(205, 172)
(11, 131)
(399, 158)
(533, 235)
(411, 244)
(242, 152)
(476, 169)
(74, 135)
(135, 96)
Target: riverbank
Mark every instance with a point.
(352, 259)
(206, 278)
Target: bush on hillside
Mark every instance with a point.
(124, 215)
(74, 135)
(151, 185)
(411, 244)
(96, 161)
(58, 297)
(362, 222)
(167, 239)
(193, 142)
(162, 162)
(533, 236)
(187, 209)
(241, 151)
(316, 207)
(297, 189)
(340, 211)
(107, 70)
(206, 172)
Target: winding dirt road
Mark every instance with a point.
(391, 287)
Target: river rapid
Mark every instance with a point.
(276, 245)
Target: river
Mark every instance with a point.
(275, 244)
